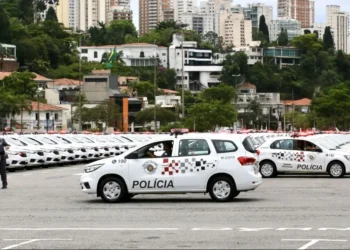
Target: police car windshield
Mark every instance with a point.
(31, 141)
(74, 139)
(63, 141)
(84, 139)
(48, 141)
(15, 141)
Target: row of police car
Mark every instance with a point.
(42, 150)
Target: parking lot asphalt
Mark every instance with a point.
(45, 209)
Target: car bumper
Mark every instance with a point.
(52, 158)
(248, 180)
(88, 183)
(16, 162)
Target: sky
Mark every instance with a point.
(320, 8)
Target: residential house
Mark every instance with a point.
(301, 105)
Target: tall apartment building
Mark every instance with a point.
(198, 21)
(339, 21)
(68, 13)
(301, 10)
(259, 9)
(235, 30)
(91, 12)
(182, 6)
(318, 28)
(151, 12)
(118, 13)
(292, 26)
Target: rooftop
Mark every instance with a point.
(66, 81)
(45, 107)
(300, 102)
(246, 85)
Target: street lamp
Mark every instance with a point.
(235, 76)
(39, 90)
(155, 90)
(79, 125)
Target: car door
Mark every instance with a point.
(308, 157)
(283, 155)
(148, 174)
(196, 160)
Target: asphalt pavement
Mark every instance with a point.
(45, 209)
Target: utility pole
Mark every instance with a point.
(293, 109)
(79, 125)
(38, 123)
(284, 118)
(182, 78)
(155, 94)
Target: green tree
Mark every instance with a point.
(308, 42)
(328, 42)
(264, 29)
(283, 38)
(236, 64)
(145, 89)
(20, 83)
(5, 35)
(223, 93)
(51, 15)
(107, 112)
(164, 116)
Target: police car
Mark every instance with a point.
(223, 165)
(302, 155)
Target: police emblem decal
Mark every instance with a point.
(311, 156)
(150, 167)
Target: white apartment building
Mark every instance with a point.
(235, 30)
(182, 6)
(319, 28)
(197, 64)
(259, 9)
(200, 22)
(91, 12)
(339, 21)
(292, 26)
(134, 54)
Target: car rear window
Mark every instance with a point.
(249, 145)
(224, 146)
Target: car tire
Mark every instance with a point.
(112, 190)
(268, 169)
(336, 169)
(222, 189)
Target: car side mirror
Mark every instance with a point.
(133, 155)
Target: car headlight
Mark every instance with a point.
(347, 157)
(92, 168)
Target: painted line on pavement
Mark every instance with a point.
(89, 229)
(312, 242)
(28, 241)
(80, 174)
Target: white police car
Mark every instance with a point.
(214, 163)
(302, 155)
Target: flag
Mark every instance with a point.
(111, 58)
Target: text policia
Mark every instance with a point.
(153, 184)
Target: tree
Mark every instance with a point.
(236, 64)
(283, 38)
(166, 78)
(328, 42)
(20, 83)
(4, 26)
(308, 42)
(264, 29)
(212, 41)
(223, 93)
(107, 112)
(51, 15)
(145, 89)
(162, 115)
(168, 24)
(209, 115)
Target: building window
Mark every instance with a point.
(95, 54)
(36, 116)
(142, 54)
(56, 116)
(84, 51)
(47, 116)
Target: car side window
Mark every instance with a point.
(154, 150)
(286, 144)
(303, 145)
(224, 146)
(188, 147)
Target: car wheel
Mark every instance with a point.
(336, 170)
(112, 190)
(268, 169)
(222, 189)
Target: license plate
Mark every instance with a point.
(256, 167)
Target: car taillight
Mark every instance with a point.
(257, 152)
(244, 160)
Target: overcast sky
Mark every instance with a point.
(320, 8)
